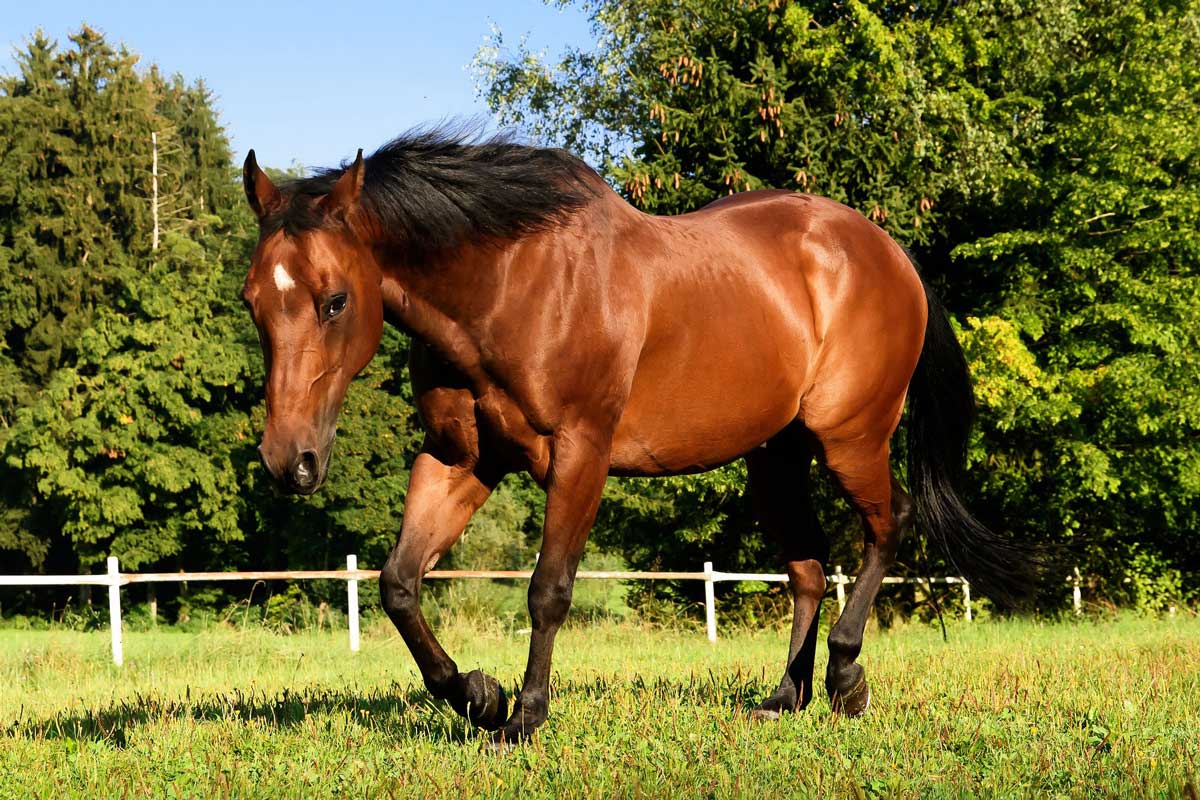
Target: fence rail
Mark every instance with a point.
(114, 579)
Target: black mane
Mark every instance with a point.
(434, 190)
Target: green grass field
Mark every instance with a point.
(1093, 709)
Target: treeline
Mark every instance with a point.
(1041, 160)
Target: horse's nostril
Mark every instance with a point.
(304, 471)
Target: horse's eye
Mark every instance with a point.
(335, 306)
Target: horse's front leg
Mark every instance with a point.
(573, 490)
(441, 499)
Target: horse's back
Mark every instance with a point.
(764, 308)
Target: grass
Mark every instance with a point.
(1090, 709)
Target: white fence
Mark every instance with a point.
(115, 579)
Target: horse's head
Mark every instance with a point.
(314, 293)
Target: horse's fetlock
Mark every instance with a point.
(843, 644)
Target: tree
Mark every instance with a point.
(125, 359)
(71, 123)
(1086, 350)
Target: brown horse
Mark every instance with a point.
(558, 330)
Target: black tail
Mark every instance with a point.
(941, 413)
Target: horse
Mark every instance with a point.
(558, 330)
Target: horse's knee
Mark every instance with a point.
(399, 593)
(549, 601)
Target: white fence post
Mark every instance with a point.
(966, 600)
(352, 602)
(1076, 595)
(114, 610)
(840, 580)
(710, 603)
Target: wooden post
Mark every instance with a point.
(966, 600)
(352, 602)
(840, 581)
(154, 183)
(152, 598)
(114, 609)
(710, 604)
(1076, 596)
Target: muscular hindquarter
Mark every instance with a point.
(772, 317)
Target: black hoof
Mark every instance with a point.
(847, 686)
(775, 707)
(519, 727)
(761, 714)
(483, 701)
(853, 702)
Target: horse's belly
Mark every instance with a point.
(681, 420)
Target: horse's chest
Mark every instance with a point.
(505, 429)
(476, 419)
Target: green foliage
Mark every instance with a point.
(1152, 583)
(1042, 160)
(123, 446)
(73, 124)
(1094, 271)
(124, 361)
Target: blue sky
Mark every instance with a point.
(311, 81)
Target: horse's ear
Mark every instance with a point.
(344, 194)
(262, 194)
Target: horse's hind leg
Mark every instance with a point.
(863, 471)
(779, 488)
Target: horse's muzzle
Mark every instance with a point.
(302, 475)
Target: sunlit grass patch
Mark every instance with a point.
(1091, 709)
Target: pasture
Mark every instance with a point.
(1023, 708)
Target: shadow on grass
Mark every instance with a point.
(399, 712)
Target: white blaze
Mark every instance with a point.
(283, 281)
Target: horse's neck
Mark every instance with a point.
(442, 304)
(450, 304)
